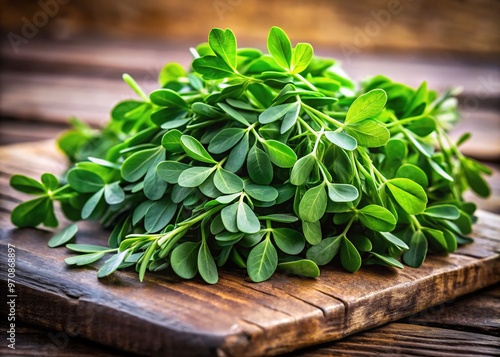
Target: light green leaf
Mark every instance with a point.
(443, 211)
(63, 236)
(195, 150)
(341, 192)
(212, 67)
(408, 194)
(366, 106)
(279, 47)
(261, 192)
(302, 55)
(167, 98)
(223, 43)
(84, 259)
(342, 139)
(369, 133)
(377, 218)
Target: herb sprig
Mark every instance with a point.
(266, 161)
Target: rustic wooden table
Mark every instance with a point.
(46, 83)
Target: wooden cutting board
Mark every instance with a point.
(172, 317)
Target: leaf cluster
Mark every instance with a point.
(265, 161)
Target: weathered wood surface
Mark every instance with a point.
(476, 314)
(167, 316)
(466, 26)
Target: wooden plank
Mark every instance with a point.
(399, 339)
(369, 25)
(476, 313)
(165, 315)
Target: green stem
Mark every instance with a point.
(306, 82)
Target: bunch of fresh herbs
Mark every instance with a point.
(263, 161)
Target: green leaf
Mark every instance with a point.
(86, 248)
(223, 43)
(369, 133)
(171, 170)
(325, 251)
(246, 220)
(302, 55)
(27, 185)
(366, 106)
(145, 259)
(92, 203)
(279, 47)
(183, 260)
(274, 113)
(302, 267)
(342, 139)
(225, 140)
(111, 264)
(349, 256)
(387, 260)
(167, 98)
(261, 192)
(279, 217)
(289, 240)
(238, 155)
(212, 67)
(259, 166)
(194, 176)
(377, 218)
(206, 265)
(171, 141)
(443, 211)
(227, 182)
(312, 232)
(84, 181)
(302, 170)
(159, 215)
(423, 126)
(475, 181)
(195, 150)
(341, 192)
(138, 164)
(262, 261)
(154, 186)
(435, 239)
(408, 194)
(439, 170)
(228, 238)
(50, 182)
(63, 236)
(84, 259)
(228, 216)
(391, 238)
(413, 173)
(233, 113)
(415, 256)
(313, 205)
(113, 193)
(280, 154)
(171, 72)
(290, 118)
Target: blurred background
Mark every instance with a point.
(63, 58)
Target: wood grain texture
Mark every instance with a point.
(167, 316)
(478, 313)
(467, 26)
(397, 339)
